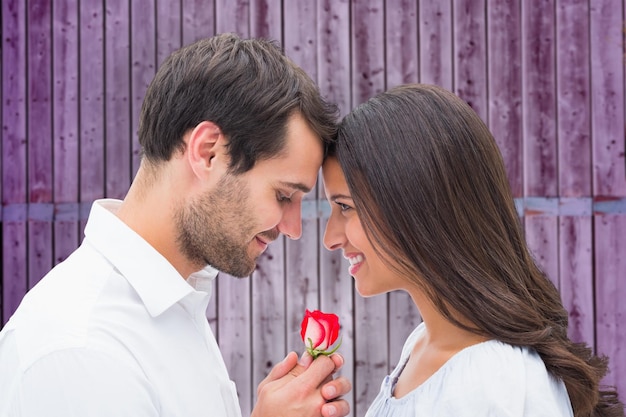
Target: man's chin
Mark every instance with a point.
(242, 275)
(239, 272)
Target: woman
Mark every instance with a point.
(425, 207)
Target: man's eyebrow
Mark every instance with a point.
(296, 186)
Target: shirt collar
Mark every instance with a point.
(156, 281)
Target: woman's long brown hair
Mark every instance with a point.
(429, 184)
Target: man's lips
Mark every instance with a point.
(262, 241)
(265, 238)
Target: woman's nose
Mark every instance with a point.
(334, 235)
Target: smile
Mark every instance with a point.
(263, 244)
(355, 259)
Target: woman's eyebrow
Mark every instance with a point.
(336, 196)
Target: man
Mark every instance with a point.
(233, 136)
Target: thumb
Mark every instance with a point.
(283, 367)
(280, 369)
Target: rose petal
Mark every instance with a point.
(331, 326)
(316, 332)
(305, 323)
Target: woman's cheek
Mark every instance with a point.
(355, 233)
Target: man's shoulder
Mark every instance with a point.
(55, 314)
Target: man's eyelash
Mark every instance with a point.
(283, 198)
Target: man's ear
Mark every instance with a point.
(205, 148)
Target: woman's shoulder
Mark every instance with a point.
(492, 376)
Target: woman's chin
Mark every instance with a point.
(366, 292)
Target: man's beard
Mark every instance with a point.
(217, 228)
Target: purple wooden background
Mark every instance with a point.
(546, 75)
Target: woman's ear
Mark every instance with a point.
(205, 149)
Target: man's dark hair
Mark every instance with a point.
(247, 87)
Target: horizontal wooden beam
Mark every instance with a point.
(319, 209)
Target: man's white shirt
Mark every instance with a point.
(114, 331)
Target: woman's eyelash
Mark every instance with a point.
(343, 206)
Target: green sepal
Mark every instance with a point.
(315, 353)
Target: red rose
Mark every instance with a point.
(319, 331)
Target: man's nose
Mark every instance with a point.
(291, 223)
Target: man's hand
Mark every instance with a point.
(305, 389)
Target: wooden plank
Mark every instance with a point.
(368, 59)
(435, 31)
(301, 282)
(337, 296)
(198, 18)
(266, 18)
(541, 217)
(168, 28)
(198, 21)
(543, 241)
(40, 241)
(143, 59)
(574, 162)
(335, 287)
(65, 127)
(607, 98)
(268, 319)
(610, 232)
(235, 295)
(302, 285)
(539, 126)
(573, 98)
(14, 258)
(234, 334)
(609, 182)
(370, 314)
(66, 230)
(39, 103)
(118, 145)
(402, 67)
(401, 42)
(334, 46)
(39, 142)
(504, 73)
(371, 350)
(470, 54)
(14, 148)
(301, 289)
(539, 105)
(91, 78)
(576, 270)
(272, 328)
(233, 16)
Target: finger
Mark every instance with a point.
(306, 359)
(338, 408)
(336, 388)
(297, 370)
(319, 370)
(338, 359)
(282, 368)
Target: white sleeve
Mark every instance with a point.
(81, 382)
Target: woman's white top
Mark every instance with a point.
(489, 379)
